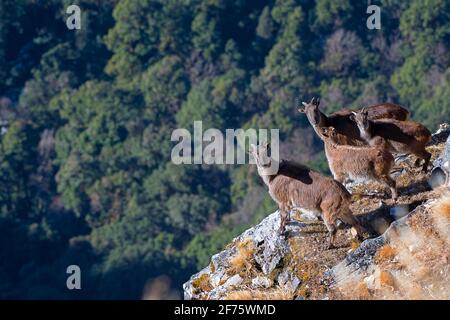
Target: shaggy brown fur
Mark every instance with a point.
(296, 186)
(395, 136)
(347, 131)
(371, 163)
(384, 110)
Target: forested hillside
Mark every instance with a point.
(86, 118)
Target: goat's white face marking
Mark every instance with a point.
(361, 121)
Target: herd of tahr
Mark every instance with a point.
(359, 144)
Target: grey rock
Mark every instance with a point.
(438, 178)
(220, 262)
(267, 228)
(360, 260)
(261, 282)
(370, 281)
(401, 158)
(399, 211)
(188, 291)
(220, 292)
(442, 164)
(270, 246)
(441, 134)
(233, 281)
(288, 281)
(270, 252)
(270, 249)
(362, 257)
(395, 173)
(217, 276)
(217, 293)
(188, 288)
(308, 216)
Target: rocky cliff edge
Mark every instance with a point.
(406, 256)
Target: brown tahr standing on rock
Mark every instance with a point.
(358, 162)
(347, 131)
(402, 137)
(296, 186)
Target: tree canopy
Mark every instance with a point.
(86, 118)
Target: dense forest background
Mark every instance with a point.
(86, 118)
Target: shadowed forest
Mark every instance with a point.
(86, 118)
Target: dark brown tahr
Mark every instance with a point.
(400, 137)
(296, 186)
(347, 131)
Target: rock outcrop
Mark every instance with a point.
(405, 257)
(261, 248)
(409, 261)
(441, 170)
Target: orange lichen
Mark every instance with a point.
(242, 262)
(386, 279)
(354, 245)
(385, 253)
(303, 291)
(202, 283)
(362, 292)
(442, 209)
